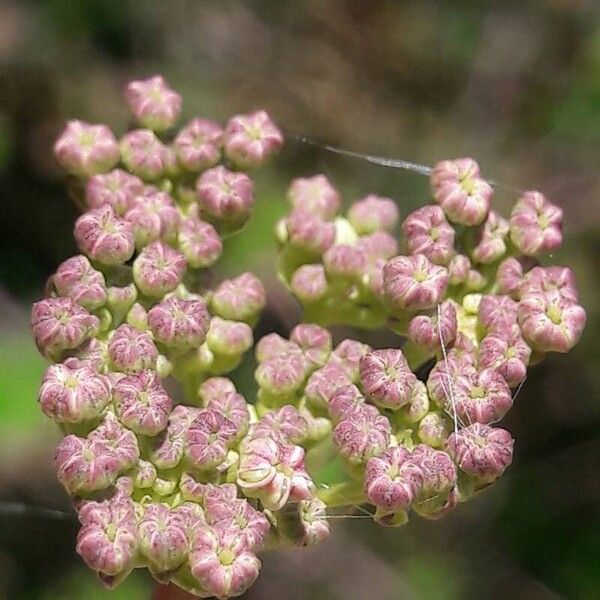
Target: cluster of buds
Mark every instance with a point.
(169, 467)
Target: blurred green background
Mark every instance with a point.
(514, 84)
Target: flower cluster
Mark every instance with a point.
(172, 469)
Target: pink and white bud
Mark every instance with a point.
(282, 374)
(535, 224)
(239, 299)
(153, 103)
(122, 442)
(271, 345)
(214, 388)
(229, 337)
(376, 246)
(168, 446)
(121, 298)
(418, 403)
(458, 188)
(224, 567)
(491, 241)
(237, 519)
(313, 521)
(131, 350)
(481, 451)
(347, 356)
(107, 540)
(198, 145)
(458, 269)
(434, 429)
(428, 232)
(285, 425)
(323, 384)
(373, 213)
(314, 341)
(84, 150)
(507, 354)
(559, 281)
(414, 282)
(386, 378)
(225, 195)
(158, 269)
(60, 324)
(145, 474)
(308, 232)
(153, 216)
(231, 405)
(250, 140)
(116, 188)
(497, 314)
(362, 435)
(208, 439)
(447, 374)
(346, 402)
(93, 355)
(216, 499)
(142, 403)
(308, 283)
(73, 395)
(199, 242)
(76, 278)
(179, 324)
(509, 276)
(315, 195)
(550, 324)
(104, 237)
(425, 330)
(144, 154)
(344, 262)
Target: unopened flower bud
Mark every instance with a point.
(83, 149)
(347, 356)
(158, 269)
(198, 145)
(231, 405)
(272, 345)
(509, 276)
(418, 403)
(239, 299)
(144, 154)
(116, 188)
(237, 519)
(414, 282)
(362, 435)
(491, 243)
(60, 324)
(434, 429)
(314, 341)
(104, 237)
(153, 216)
(250, 140)
(559, 281)
(481, 451)
(345, 402)
(425, 330)
(73, 395)
(121, 441)
(145, 474)
(458, 188)
(130, 350)
(309, 232)
(376, 246)
(313, 521)
(323, 383)
(77, 279)
(373, 213)
(282, 374)
(315, 195)
(308, 283)
(535, 224)
(497, 313)
(229, 337)
(507, 354)
(179, 324)
(153, 103)
(428, 232)
(458, 269)
(225, 195)
(199, 242)
(214, 388)
(168, 446)
(344, 262)
(284, 425)
(121, 299)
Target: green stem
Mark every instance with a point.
(346, 493)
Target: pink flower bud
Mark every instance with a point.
(314, 341)
(121, 299)
(428, 232)
(347, 356)
(285, 425)
(163, 537)
(93, 355)
(344, 262)
(199, 242)
(507, 354)
(559, 281)
(550, 324)
(250, 140)
(232, 406)
(497, 313)
(60, 324)
(131, 351)
(414, 282)
(476, 281)
(535, 224)
(392, 480)
(460, 191)
(168, 446)
(323, 384)
(491, 243)
(481, 451)
(434, 429)
(212, 498)
(418, 403)
(386, 378)
(271, 345)
(215, 388)
(208, 439)
(282, 374)
(509, 276)
(144, 154)
(73, 395)
(313, 521)
(77, 279)
(116, 188)
(308, 283)
(179, 324)
(145, 474)
(346, 402)
(141, 403)
(458, 269)
(239, 299)
(105, 238)
(376, 246)
(153, 216)
(121, 442)
(198, 145)
(309, 232)
(229, 337)
(85, 465)
(107, 540)
(83, 149)
(315, 195)
(447, 375)
(153, 103)
(224, 567)
(158, 269)
(362, 435)
(425, 330)
(237, 519)
(225, 195)
(373, 213)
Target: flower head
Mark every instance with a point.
(131, 350)
(158, 269)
